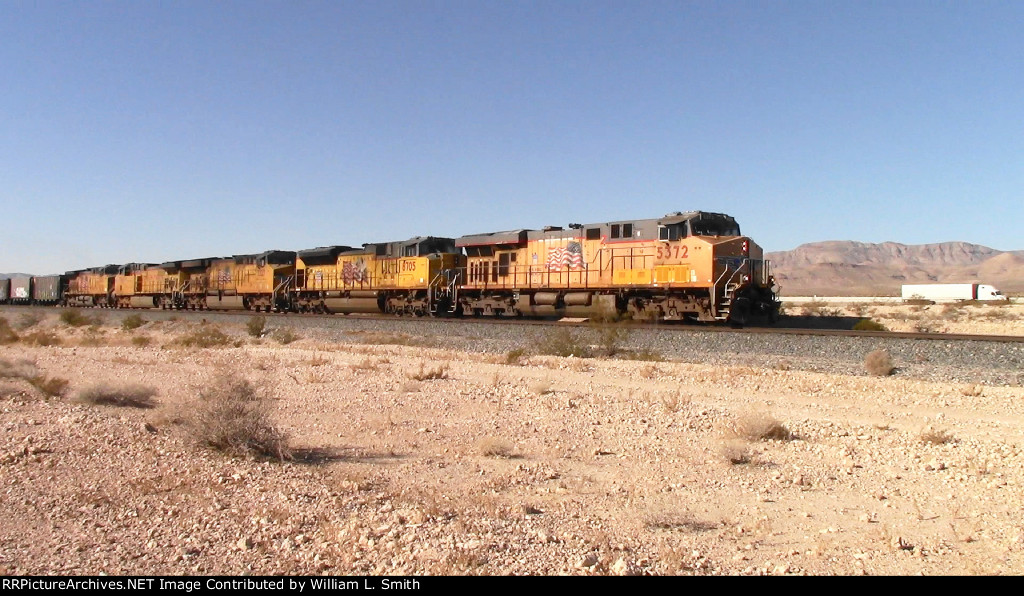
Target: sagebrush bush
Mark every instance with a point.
(285, 336)
(562, 342)
(75, 318)
(132, 322)
(127, 396)
(879, 363)
(232, 417)
(256, 325)
(515, 356)
(207, 336)
(869, 325)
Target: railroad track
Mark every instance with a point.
(799, 325)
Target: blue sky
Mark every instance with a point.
(150, 131)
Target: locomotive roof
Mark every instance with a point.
(671, 218)
(322, 255)
(506, 237)
(273, 257)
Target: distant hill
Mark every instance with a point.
(839, 268)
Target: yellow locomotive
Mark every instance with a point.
(692, 265)
(394, 277)
(91, 287)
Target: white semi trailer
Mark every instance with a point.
(950, 292)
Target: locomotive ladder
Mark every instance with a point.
(725, 306)
(443, 290)
(285, 283)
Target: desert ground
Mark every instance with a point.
(394, 455)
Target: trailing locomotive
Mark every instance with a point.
(694, 265)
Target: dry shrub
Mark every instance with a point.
(673, 402)
(879, 363)
(494, 447)
(366, 364)
(28, 320)
(644, 355)
(936, 436)
(7, 335)
(141, 341)
(27, 371)
(20, 369)
(232, 417)
(759, 427)
(971, 391)
(76, 318)
(562, 342)
(869, 325)
(735, 452)
(410, 387)
(284, 336)
(42, 338)
(515, 357)
(540, 386)
(425, 374)
(255, 326)
(207, 336)
(132, 322)
(93, 337)
(128, 396)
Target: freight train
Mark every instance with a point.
(683, 266)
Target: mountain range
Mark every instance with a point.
(846, 268)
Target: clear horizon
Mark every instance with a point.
(149, 132)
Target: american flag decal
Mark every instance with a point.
(570, 257)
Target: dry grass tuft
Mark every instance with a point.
(232, 417)
(879, 363)
(494, 447)
(128, 396)
(759, 427)
(937, 436)
(425, 374)
(141, 341)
